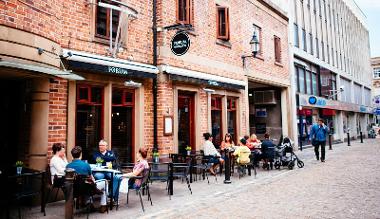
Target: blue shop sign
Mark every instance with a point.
(363, 109)
(312, 100)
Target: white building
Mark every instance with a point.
(375, 63)
(331, 62)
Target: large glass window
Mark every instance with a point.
(376, 72)
(308, 82)
(358, 93)
(89, 115)
(122, 124)
(301, 80)
(231, 117)
(216, 120)
(296, 38)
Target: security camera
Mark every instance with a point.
(341, 88)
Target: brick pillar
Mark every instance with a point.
(38, 143)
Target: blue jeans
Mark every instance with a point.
(116, 185)
(100, 175)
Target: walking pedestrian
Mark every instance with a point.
(318, 135)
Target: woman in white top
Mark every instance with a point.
(210, 150)
(58, 163)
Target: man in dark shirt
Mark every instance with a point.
(106, 156)
(267, 148)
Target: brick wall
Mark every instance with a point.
(57, 113)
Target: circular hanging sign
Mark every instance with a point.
(180, 43)
(312, 100)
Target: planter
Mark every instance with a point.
(19, 170)
(188, 153)
(156, 159)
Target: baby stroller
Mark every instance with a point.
(284, 156)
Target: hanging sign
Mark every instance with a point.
(180, 43)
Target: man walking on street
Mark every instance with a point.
(318, 136)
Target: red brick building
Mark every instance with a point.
(63, 80)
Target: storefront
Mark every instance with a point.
(341, 117)
(109, 104)
(202, 103)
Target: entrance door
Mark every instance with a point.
(186, 123)
(14, 122)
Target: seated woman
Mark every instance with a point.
(210, 150)
(227, 142)
(254, 142)
(139, 169)
(58, 164)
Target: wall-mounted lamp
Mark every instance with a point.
(131, 83)
(254, 43)
(208, 90)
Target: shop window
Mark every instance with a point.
(89, 118)
(222, 19)
(301, 80)
(277, 49)
(184, 11)
(216, 120)
(308, 83)
(103, 19)
(122, 124)
(231, 118)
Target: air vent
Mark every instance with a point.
(264, 97)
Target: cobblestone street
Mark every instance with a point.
(345, 186)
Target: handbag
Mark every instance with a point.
(314, 142)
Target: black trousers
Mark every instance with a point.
(316, 149)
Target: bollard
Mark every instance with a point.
(170, 178)
(227, 167)
(361, 137)
(69, 196)
(330, 141)
(348, 139)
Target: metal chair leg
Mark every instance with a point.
(188, 185)
(142, 204)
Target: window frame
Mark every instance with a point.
(189, 12)
(225, 37)
(107, 37)
(277, 49)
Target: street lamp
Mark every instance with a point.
(254, 43)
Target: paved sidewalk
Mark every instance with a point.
(346, 186)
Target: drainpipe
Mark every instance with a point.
(155, 139)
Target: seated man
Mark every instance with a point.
(210, 150)
(268, 148)
(106, 156)
(83, 168)
(242, 152)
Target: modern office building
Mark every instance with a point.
(331, 66)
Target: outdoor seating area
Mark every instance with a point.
(167, 176)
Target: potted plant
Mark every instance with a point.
(188, 149)
(19, 165)
(156, 157)
(99, 161)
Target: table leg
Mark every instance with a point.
(111, 188)
(191, 170)
(43, 194)
(171, 179)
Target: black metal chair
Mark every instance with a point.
(83, 189)
(144, 186)
(243, 167)
(181, 171)
(25, 186)
(204, 166)
(57, 184)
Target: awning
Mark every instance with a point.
(95, 63)
(202, 78)
(40, 69)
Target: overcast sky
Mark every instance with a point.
(371, 9)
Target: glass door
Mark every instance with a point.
(185, 121)
(123, 124)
